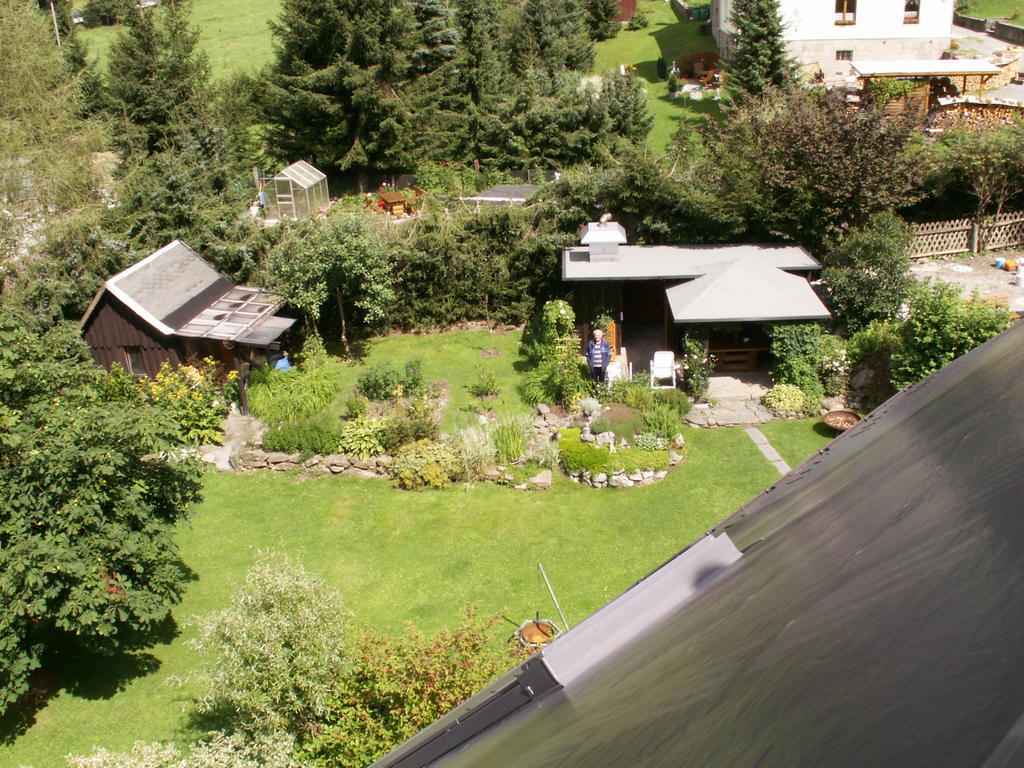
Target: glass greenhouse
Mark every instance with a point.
(296, 192)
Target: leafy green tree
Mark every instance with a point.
(218, 750)
(941, 327)
(868, 272)
(397, 686)
(759, 62)
(277, 653)
(334, 91)
(343, 262)
(90, 492)
(601, 18)
(157, 78)
(797, 164)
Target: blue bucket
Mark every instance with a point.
(1000, 261)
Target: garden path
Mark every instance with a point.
(734, 400)
(767, 450)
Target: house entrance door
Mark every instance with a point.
(643, 302)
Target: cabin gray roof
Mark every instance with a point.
(179, 294)
(656, 262)
(873, 617)
(744, 291)
(504, 193)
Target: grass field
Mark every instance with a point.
(397, 556)
(798, 439)
(666, 38)
(233, 33)
(455, 359)
(987, 9)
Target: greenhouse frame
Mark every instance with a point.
(296, 192)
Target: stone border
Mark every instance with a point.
(256, 459)
(623, 479)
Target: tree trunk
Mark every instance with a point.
(341, 315)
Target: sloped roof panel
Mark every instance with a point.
(669, 262)
(745, 291)
(302, 173)
(874, 619)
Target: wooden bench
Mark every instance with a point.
(741, 359)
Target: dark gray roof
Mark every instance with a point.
(178, 293)
(874, 618)
(505, 193)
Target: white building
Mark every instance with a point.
(832, 33)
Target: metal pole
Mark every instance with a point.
(553, 598)
(56, 29)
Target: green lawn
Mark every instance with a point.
(666, 38)
(234, 33)
(797, 439)
(455, 359)
(987, 9)
(399, 556)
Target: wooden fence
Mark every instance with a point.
(935, 238)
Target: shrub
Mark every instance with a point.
(193, 395)
(416, 421)
(649, 442)
(426, 464)
(601, 425)
(636, 393)
(662, 419)
(320, 436)
(556, 381)
(380, 382)
(787, 397)
(356, 406)
(672, 83)
(555, 321)
(638, 20)
(364, 437)
(476, 451)
(940, 328)
(675, 399)
(834, 365)
(547, 454)
(484, 385)
(218, 750)
(589, 406)
(277, 397)
(696, 364)
(511, 436)
(797, 348)
(877, 341)
(579, 456)
(413, 383)
(398, 686)
(276, 653)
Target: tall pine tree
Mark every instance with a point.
(601, 18)
(436, 35)
(334, 94)
(552, 36)
(760, 60)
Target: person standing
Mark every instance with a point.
(599, 353)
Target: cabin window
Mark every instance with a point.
(846, 11)
(844, 55)
(134, 361)
(912, 12)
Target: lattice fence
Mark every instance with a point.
(935, 238)
(1006, 230)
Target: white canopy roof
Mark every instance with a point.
(919, 68)
(745, 291)
(654, 262)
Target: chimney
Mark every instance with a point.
(603, 239)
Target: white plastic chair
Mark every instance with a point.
(663, 367)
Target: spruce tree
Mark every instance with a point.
(601, 18)
(553, 37)
(157, 78)
(334, 93)
(435, 33)
(760, 60)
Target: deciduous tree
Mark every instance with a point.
(89, 494)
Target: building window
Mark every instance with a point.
(846, 11)
(133, 359)
(844, 55)
(912, 12)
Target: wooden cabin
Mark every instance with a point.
(173, 307)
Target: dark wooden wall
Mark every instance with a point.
(112, 327)
(626, 10)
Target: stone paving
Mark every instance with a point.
(730, 413)
(767, 450)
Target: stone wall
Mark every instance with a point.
(978, 25)
(1009, 32)
(253, 459)
(624, 478)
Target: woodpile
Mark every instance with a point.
(975, 116)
